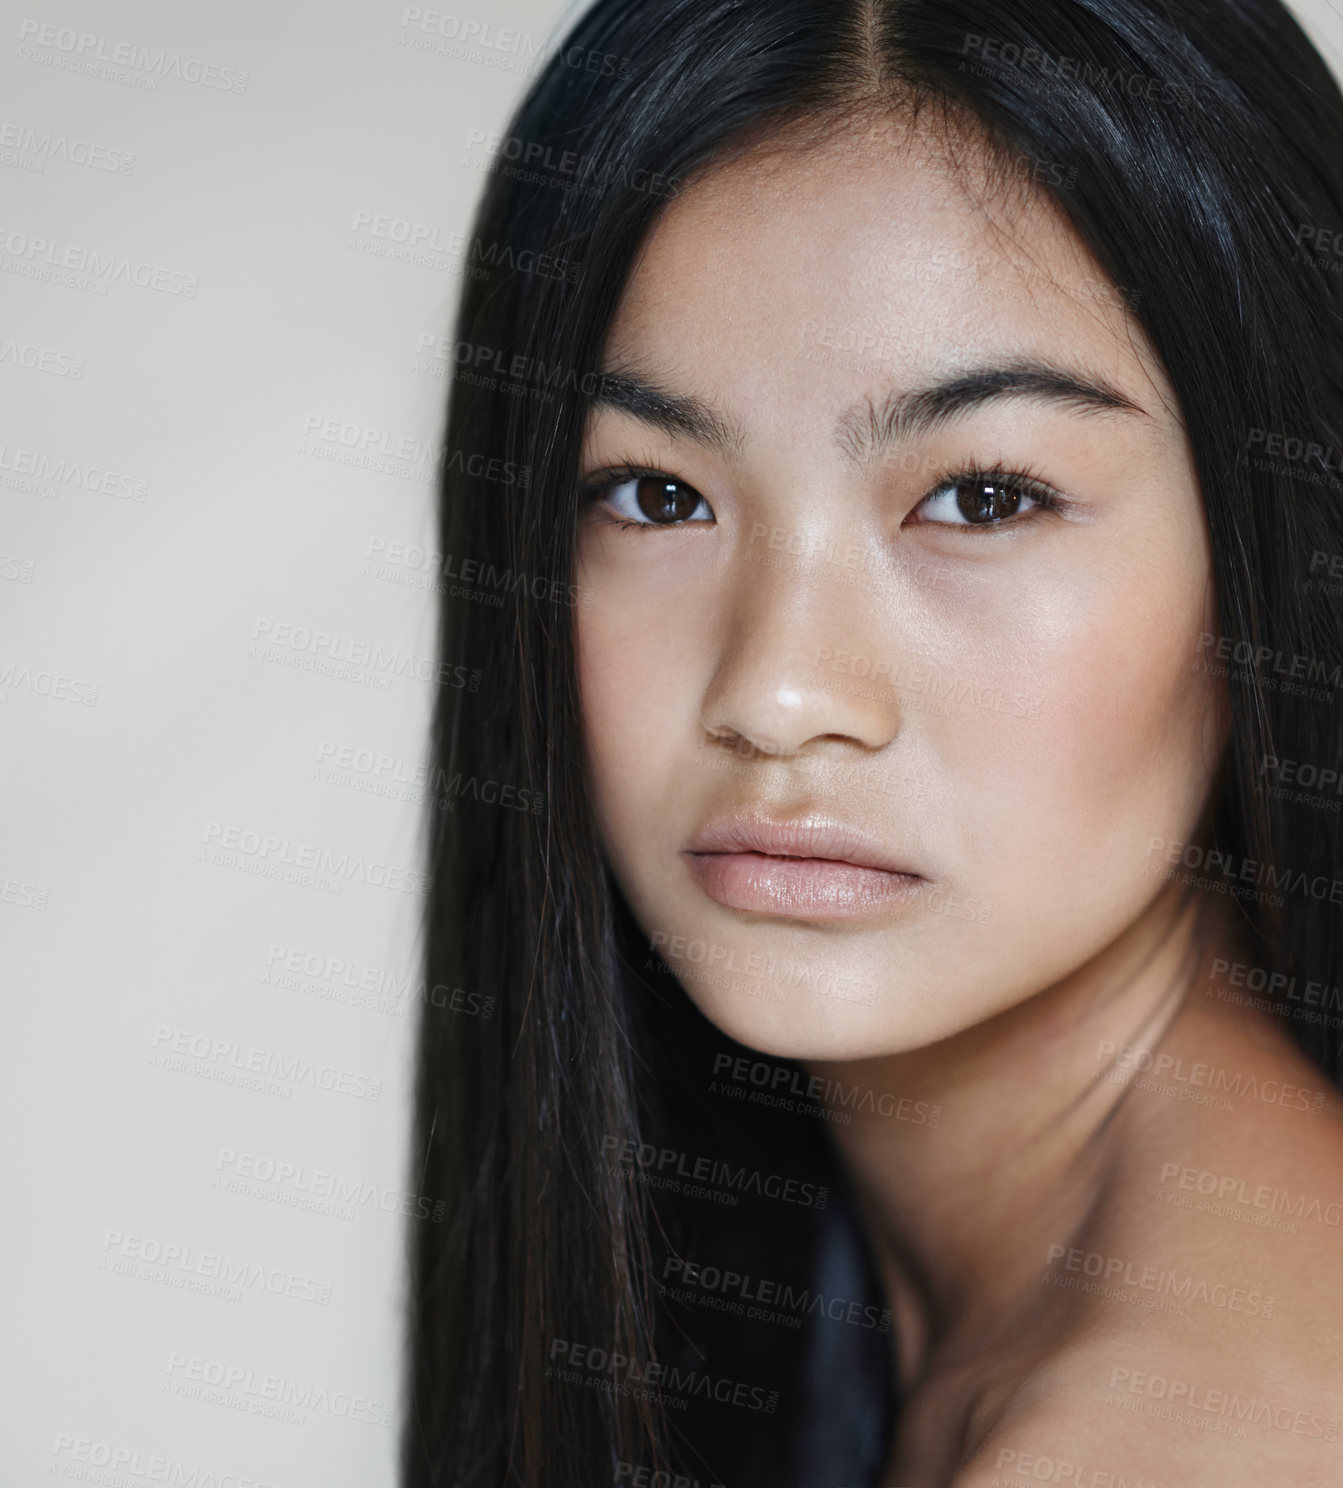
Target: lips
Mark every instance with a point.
(813, 868)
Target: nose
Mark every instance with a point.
(804, 666)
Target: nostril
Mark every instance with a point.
(743, 746)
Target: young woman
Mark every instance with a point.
(897, 818)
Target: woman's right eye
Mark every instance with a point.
(654, 501)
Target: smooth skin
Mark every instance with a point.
(800, 604)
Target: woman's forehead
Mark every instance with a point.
(893, 250)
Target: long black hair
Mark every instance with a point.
(595, 1141)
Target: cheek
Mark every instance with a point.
(635, 685)
(1118, 751)
(1131, 701)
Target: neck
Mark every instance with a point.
(1028, 1134)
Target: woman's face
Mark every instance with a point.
(890, 663)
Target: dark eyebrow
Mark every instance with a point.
(868, 430)
(675, 413)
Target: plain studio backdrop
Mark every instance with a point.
(232, 239)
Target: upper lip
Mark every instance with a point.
(811, 836)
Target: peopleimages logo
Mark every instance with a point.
(648, 1477)
(41, 358)
(342, 866)
(1232, 1188)
(49, 472)
(1200, 1396)
(42, 145)
(1247, 870)
(1278, 987)
(736, 1288)
(420, 567)
(997, 53)
(1285, 446)
(234, 1379)
(511, 367)
(182, 1261)
(1210, 1076)
(75, 1455)
(1305, 774)
(42, 253)
(575, 1359)
(390, 775)
(1118, 1272)
(56, 685)
(468, 32)
(219, 1058)
(297, 1186)
(668, 1164)
(558, 166)
(1032, 1467)
(72, 50)
(426, 243)
(1264, 659)
(722, 962)
(777, 1077)
(328, 648)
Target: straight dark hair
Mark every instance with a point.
(1196, 146)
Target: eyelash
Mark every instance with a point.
(1045, 497)
(617, 475)
(1022, 480)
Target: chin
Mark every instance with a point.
(808, 1026)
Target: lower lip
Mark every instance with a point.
(798, 888)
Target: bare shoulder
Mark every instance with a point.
(1127, 1411)
(1202, 1336)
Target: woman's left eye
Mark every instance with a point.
(982, 500)
(655, 501)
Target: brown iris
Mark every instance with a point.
(662, 500)
(986, 500)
